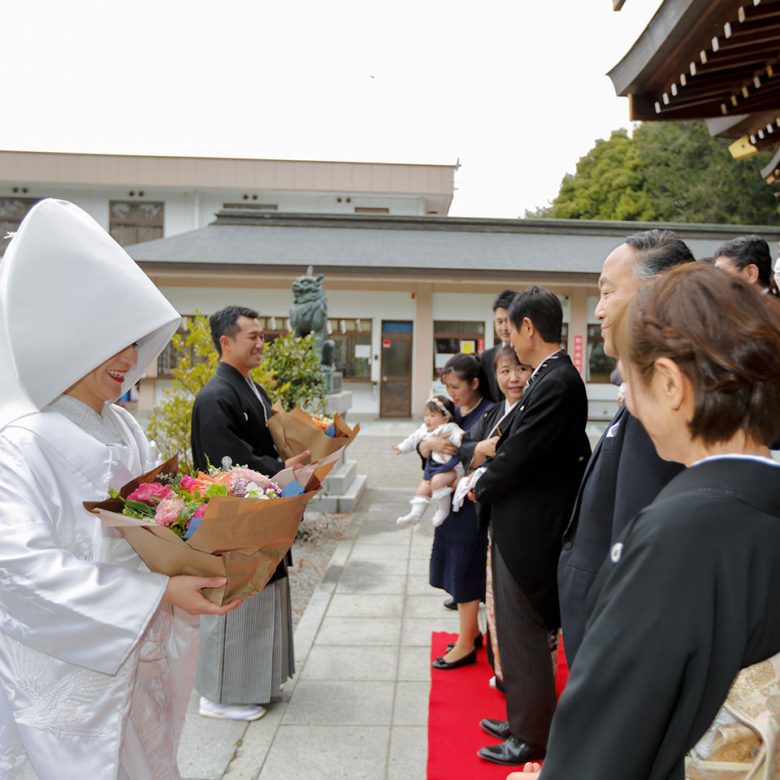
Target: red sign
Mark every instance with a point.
(577, 356)
(385, 343)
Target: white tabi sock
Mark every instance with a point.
(443, 505)
(419, 505)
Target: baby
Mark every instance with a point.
(441, 473)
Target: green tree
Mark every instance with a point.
(289, 372)
(666, 172)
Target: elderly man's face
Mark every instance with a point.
(617, 286)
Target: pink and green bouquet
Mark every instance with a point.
(233, 523)
(179, 502)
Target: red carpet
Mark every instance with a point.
(459, 700)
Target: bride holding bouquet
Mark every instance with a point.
(97, 654)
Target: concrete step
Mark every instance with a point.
(339, 480)
(343, 502)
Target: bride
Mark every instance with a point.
(97, 654)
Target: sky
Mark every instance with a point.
(515, 90)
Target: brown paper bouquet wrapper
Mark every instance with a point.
(295, 432)
(241, 539)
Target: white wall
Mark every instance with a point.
(187, 209)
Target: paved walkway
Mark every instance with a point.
(358, 706)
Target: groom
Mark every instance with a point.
(246, 659)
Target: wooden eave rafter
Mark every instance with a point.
(761, 129)
(701, 59)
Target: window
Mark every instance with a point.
(169, 358)
(132, 222)
(600, 365)
(352, 338)
(12, 212)
(451, 337)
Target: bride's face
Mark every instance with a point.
(104, 383)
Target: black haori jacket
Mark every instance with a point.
(229, 420)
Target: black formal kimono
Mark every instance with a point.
(494, 421)
(623, 476)
(247, 654)
(229, 419)
(530, 487)
(688, 597)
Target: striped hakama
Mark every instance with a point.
(247, 655)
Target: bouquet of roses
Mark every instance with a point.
(233, 523)
(180, 502)
(296, 431)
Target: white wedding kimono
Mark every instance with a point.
(95, 674)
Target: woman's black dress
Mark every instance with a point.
(459, 554)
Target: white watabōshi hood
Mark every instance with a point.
(70, 298)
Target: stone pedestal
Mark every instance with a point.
(338, 403)
(343, 487)
(332, 381)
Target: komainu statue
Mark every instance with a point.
(309, 314)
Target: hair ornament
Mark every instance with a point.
(440, 406)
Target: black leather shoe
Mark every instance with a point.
(496, 728)
(477, 643)
(511, 752)
(469, 658)
(450, 603)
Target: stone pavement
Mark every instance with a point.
(358, 705)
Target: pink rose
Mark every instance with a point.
(151, 493)
(248, 475)
(199, 512)
(168, 511)
(187, 482)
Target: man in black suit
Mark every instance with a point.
(244, 660)
(501, 326)
(530, 486)
(624, 473)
